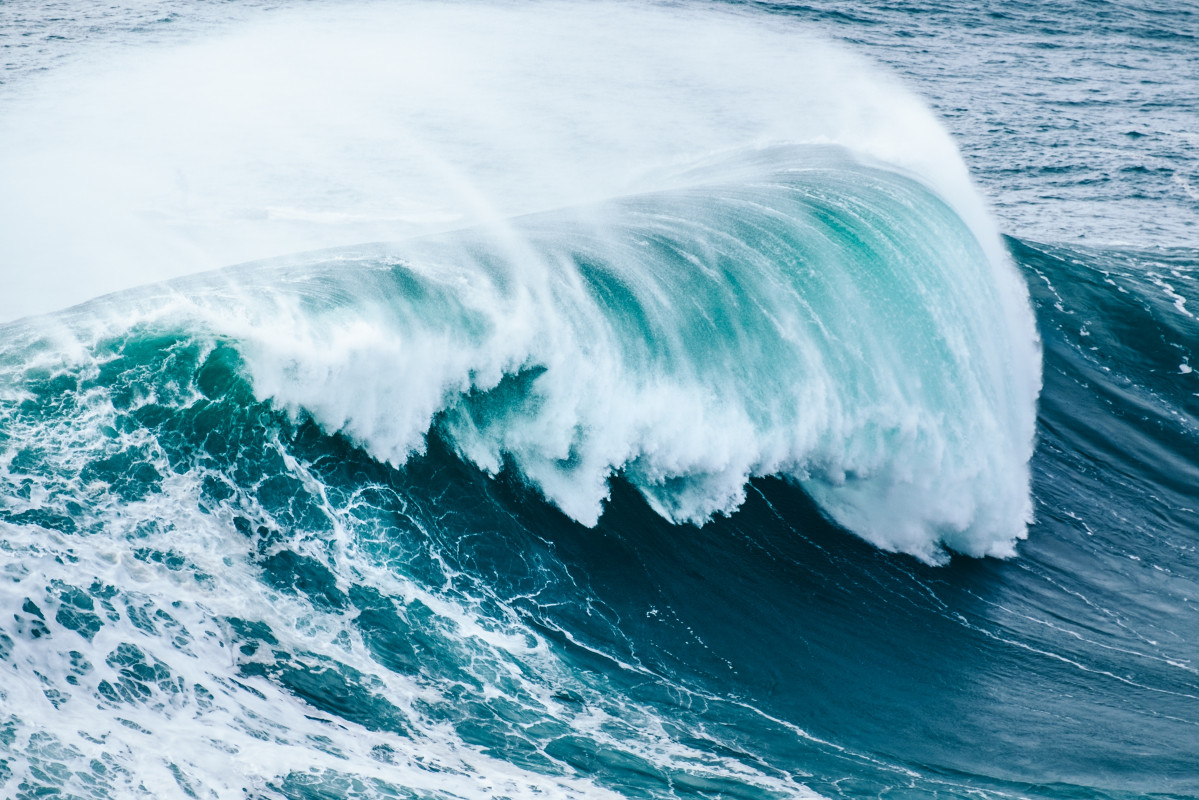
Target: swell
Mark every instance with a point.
(1125, 326)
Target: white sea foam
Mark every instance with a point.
(883, 369)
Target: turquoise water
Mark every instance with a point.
(723, 462)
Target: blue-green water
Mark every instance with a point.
(774, 471)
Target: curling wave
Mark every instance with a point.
(792, 311)
(776, 265)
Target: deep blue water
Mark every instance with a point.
(735, 484)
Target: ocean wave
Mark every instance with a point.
(793, 311)
(775, 263)
(548, 494)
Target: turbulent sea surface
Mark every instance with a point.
(423, 400)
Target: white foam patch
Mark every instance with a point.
(907, 411)
(120, 674)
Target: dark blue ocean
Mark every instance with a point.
(623, 399)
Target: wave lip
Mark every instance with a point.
(791, 311)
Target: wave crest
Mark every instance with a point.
(796, 311)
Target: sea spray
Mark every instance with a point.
(318, 127)
(794, 311)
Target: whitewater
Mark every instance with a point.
(486, 399)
